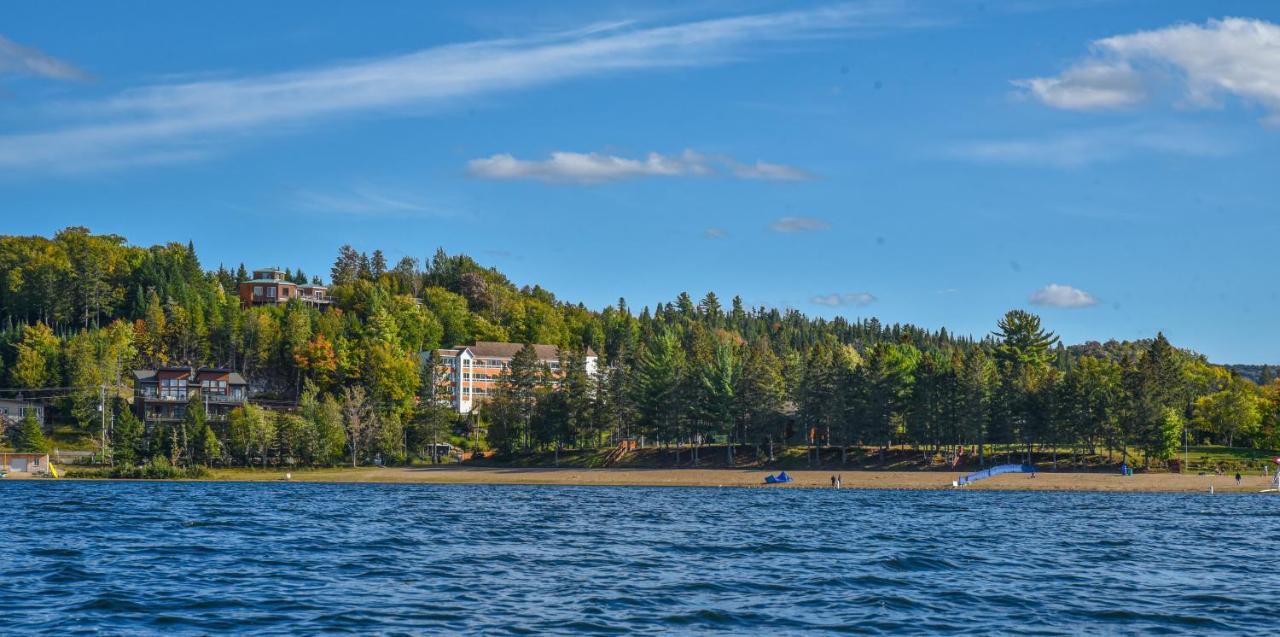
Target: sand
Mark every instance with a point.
(1150, 482)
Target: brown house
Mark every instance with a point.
(163, 394)
(269, 287)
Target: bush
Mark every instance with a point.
(158, 468)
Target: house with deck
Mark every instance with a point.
(164, 394)
(270, 287)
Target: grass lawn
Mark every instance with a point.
(1230, 459)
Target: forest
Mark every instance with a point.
(348, 384)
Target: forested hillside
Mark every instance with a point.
(345, 383)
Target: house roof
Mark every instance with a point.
(280, 281)
(23, 402)
(494, 349)
(149, 375)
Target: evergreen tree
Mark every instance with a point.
(127, 436)
(29, 436)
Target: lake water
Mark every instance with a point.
(78, 557)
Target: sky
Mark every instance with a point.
(1109, 165)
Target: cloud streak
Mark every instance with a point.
(564, 167)
(363, 201)
(16, 59)
(162, 119)
(1092, 146)
(1236, 57)
(1064, 296)
(850, 299)
(792, 225)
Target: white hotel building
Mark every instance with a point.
(468, 374)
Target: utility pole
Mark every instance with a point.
(102, 410)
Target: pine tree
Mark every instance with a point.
(29, 436)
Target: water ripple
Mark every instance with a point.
(200, 558)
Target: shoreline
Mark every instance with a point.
(745, 478)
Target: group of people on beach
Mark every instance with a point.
(836, 482)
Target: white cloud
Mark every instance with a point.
(1237, 57)
(594, 168)
(154, 120)
(715, 233)
(16, 59)
(1091, 146)
(789, 225)
(855, 299)
(1055, 295)
(1089, 86)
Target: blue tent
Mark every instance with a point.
(781, 478)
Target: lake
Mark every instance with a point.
(288, 558)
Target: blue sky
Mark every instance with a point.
(1109, 165)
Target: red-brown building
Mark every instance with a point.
(269, 287)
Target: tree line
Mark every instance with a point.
(348, 384)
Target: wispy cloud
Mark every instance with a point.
(16, 59)
(715, 233)
(168, 117)
(770, 172)
(586, 168)
(853, 299)
(1090, 146)
(564, 167)
(364, 200)
(1237, 57)
(1055, 295)
(791, 225)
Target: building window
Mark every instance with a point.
(257, 290)
(271, 293)
(214, 387)
(173, 388)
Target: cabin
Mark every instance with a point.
(24, 464)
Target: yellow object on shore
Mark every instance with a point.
(53, 471)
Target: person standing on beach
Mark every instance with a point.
(1237, 478)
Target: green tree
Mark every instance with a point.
(36, 364)
(658, 376)
(1023, 359)
(30, 436)
(1234, 412)
(126, 436)
(760, 394)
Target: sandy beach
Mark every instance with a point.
(1150, 482)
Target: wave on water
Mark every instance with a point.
(201, 558)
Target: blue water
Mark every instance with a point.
(174, 558)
